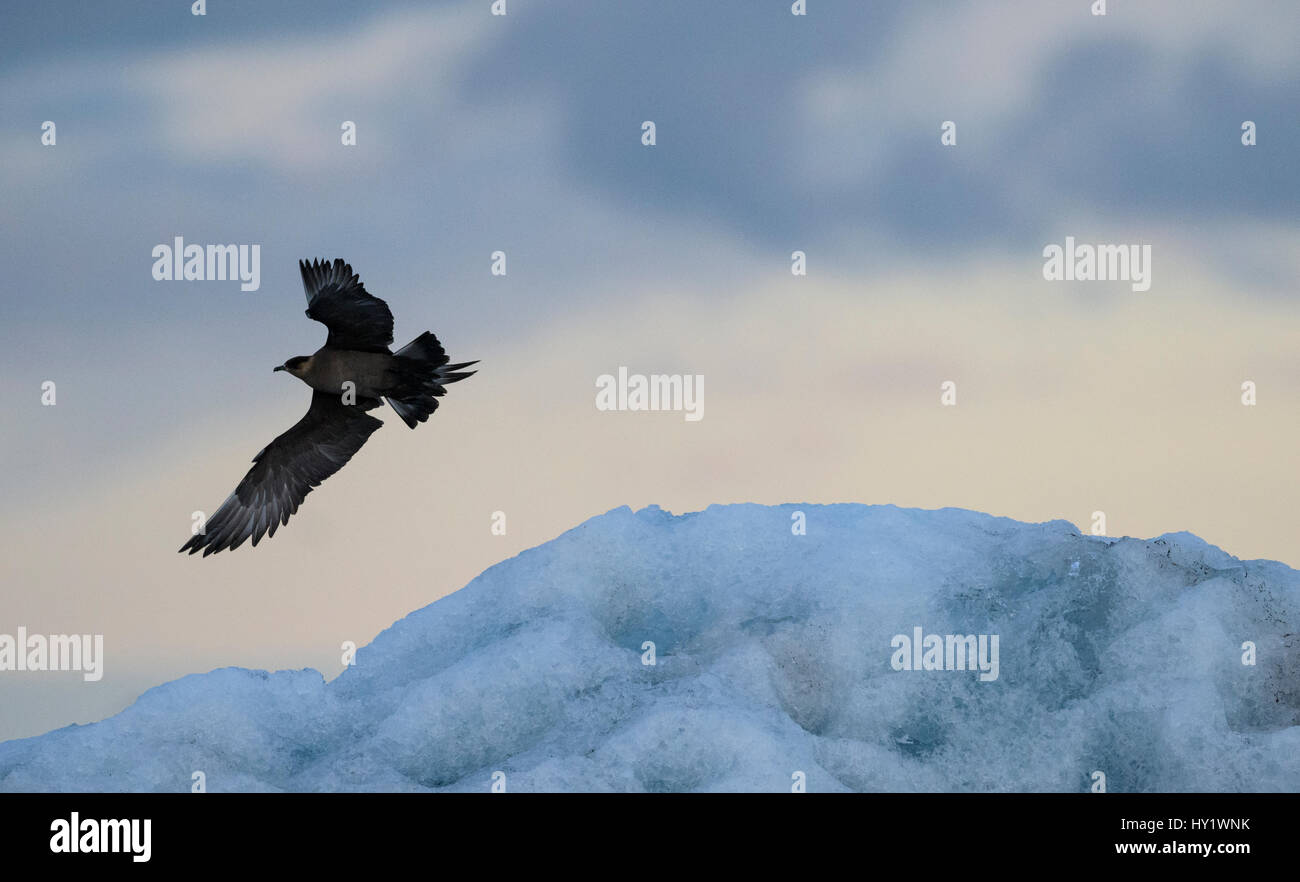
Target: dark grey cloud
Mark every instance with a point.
(1107, 127)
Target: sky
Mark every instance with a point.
(522, 133)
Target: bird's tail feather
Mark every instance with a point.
(423, 373)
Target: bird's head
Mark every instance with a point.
(297, 365)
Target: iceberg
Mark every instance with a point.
(754, 648)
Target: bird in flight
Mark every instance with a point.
(348, 376)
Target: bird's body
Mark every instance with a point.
(328, 369)
(349, 375)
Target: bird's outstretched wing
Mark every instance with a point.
(286, 470)
(336, 298)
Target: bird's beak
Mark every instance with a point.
(278, 367)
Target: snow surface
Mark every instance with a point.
(773, 657)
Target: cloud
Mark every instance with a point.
(281, 102)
